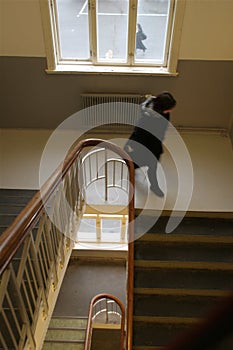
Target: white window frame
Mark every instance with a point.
(54, 65)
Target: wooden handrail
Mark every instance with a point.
(15, 234)
(88, 329)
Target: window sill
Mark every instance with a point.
(88, 69)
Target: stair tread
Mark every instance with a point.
(184, 265)
(166, 319)
(149, 347)
(181, 292)
(66, 341)
(70, 317)
(58, 328)
(184, 238)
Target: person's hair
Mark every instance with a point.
(139, 27)
(163, 102)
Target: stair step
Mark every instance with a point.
(179, 277)
(7, 219)
(61, 345)
(157, 331)
(68, 322)
(65, 333)
(172, 320)
(181, 304)
(175, 238)
(184, 248)
(11, 192)
(13, 200)
(187, 265)
(148, 347)
(188, 226)
(183, 275)
(13, 209)
(181, 292)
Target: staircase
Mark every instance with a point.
(66, 333)
(179, 277)
(12, 201)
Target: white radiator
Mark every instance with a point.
(110, 108)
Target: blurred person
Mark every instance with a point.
(140, 36)
(149, 132)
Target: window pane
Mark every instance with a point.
(73, 29)
(112, 30)
(152, 20)
(111, 230)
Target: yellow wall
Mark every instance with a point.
(207, 31)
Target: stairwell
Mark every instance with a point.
(179, 277)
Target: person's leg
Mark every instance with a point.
(152, 175)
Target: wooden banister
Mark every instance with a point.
(12, 238)
(90, 315)
(15, 234)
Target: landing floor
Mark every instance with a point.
(85, 279)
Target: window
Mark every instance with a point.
(128, 36)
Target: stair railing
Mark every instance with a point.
(106, 171)
(35, 250)
(97, 165)
(105, 309)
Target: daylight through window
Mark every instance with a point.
(112, 33)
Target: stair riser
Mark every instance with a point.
(169, 305)
(68, 323)
(5, 200)
(7, 192)
(68, 334)
(11, 209)
(188, 226)
(6, 220)
(184, 252)
(183, 279)
(153, 334)
(62, 346)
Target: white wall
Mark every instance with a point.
(20, 154)
(207, 30)
(28, 156)
(211, 153)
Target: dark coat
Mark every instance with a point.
(139, 37)
(149, 132)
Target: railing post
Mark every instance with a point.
(98, 228)
(106, 175)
